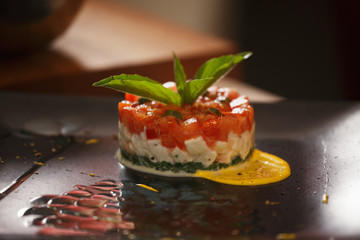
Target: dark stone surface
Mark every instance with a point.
(320, 141)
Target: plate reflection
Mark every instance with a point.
(142, 210)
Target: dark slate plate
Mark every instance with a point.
(320, 140)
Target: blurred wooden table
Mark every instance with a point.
(107, 38)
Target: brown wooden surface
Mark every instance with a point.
(105, 39)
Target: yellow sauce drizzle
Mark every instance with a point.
(147, 187)
(261, 168)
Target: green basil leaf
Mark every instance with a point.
(142, 87)
(134, 77)
(216, 68)
(193, 89)
(188, 91)
(180, 76)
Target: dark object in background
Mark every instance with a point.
(303, 50)
(27, 26)
(347, 22)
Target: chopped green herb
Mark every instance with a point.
(143, 100)
(223, 99)
(189, 167)
(174, 113)
(215, 111)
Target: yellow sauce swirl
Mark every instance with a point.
(261, 168)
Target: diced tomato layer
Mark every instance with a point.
(131, 98)
(151, 134)
(198, 120)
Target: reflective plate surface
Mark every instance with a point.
(71, 184)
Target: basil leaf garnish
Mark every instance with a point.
(180, 76)
(141, 86)
(187, 91)
(217, 68)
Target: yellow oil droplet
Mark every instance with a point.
(286, 236)
(267, 202)
(40, 163)
(92, 141)
(147, 187)
(61, 158)
(92, 175)
(261, 168)
(38, 154)
(325, 198)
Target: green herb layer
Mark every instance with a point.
(189, 167)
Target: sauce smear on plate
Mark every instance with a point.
(261, 168)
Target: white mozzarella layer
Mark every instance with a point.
(196, 148)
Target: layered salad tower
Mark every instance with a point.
(183, 126)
